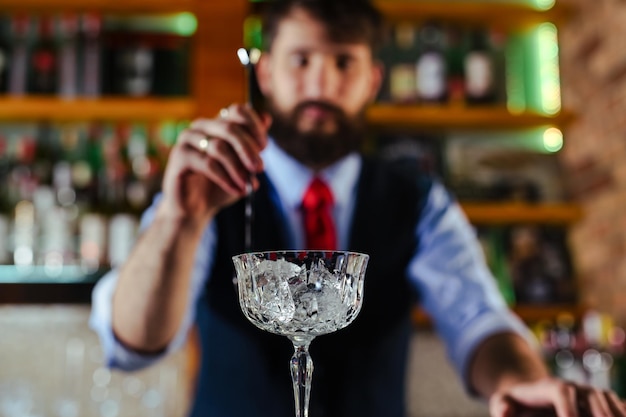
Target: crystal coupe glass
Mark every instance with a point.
(301, 295)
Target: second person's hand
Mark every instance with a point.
(554, 397)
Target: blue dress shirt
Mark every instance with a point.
(448, 270)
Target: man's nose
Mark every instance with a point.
(322, 81)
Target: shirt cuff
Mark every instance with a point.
(462, 350)
(116, 355)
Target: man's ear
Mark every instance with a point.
(263, 73)
(378, 74)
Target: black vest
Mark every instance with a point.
(360, 370)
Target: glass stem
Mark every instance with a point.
(301, 373)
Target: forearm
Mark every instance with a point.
(153, 288)
(504, 360)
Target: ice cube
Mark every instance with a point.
(306, 306)
(331, 308)
(279, 267)
(320, 277)
(271, 288)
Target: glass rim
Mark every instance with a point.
(298, 251)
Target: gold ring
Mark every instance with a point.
(203, 144)
(224, 113)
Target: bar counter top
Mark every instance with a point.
(41, 285)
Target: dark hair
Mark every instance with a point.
(345, 20)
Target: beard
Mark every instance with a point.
(317, 148)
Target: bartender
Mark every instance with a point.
(318, 74)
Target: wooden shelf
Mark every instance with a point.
(102, 6)
(429, 117)
(528, 313)
(504, 14)
(508, 213)
(55, 109)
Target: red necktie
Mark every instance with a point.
(316, 213)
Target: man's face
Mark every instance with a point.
(317, 90)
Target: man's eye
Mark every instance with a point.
(299, 61)
(344, 62)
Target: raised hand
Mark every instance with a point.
(211, 163)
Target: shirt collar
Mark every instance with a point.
(291, 178)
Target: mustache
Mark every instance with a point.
(300, 108)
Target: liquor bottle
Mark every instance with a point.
(113, 141)
(24, 235)
(617, 348)
(61, 225)
(44, 60)
(431, 64)
(47, 153)
(596, 358)
(22, 173)
(171, 54)
(5, 243)
(68, 56)
(499, 266)
(55, 235)
(454, 63)
(5, 171)
(92, 242)
(532, 283)
(23, 185)
(479, 70)
(5, 209)
(566, 362)
(18, 65)
(90, 45)
(540, 264)
(88, 175)
(4, 54)
(136, 65)
(498, 45)
(94, 158)
(157, 159)
(402, 71)
(137, 193)
(62, 180)
(122, 234)
(81, 175)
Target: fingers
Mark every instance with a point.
(598, 404)
(500, 406)
(605, 403)
(601, 403)
(246, 148)
(568, 400)
(244, 115)
(223, 171)
(617, 406)
(564, 400)
(225, 150)
(216, 154)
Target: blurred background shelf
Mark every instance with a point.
(528, 313)
(510, 213)
(103, 6)
(106, 108)
(484, 117)
(486, 12)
